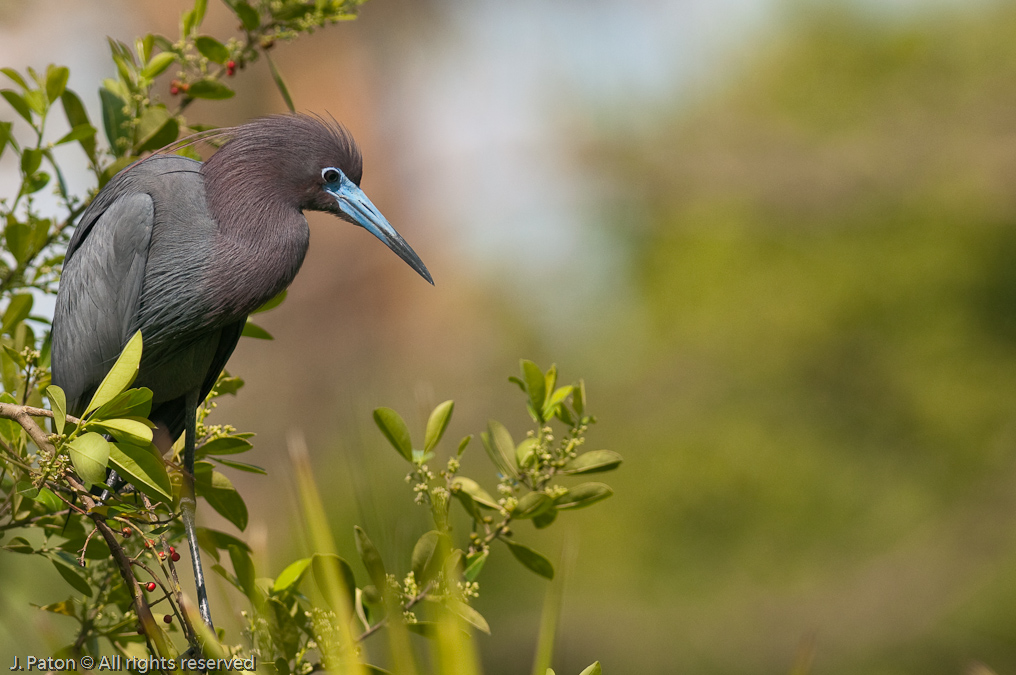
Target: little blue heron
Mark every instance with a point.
(183, 251)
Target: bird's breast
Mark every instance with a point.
(254, 267)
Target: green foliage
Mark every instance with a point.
(117, 554)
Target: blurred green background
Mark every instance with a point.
(777, 239)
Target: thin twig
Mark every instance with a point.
(153, 635)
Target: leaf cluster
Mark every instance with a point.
(113, 542)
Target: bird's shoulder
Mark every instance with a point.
(165, 179)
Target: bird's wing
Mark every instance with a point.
(171, 413)
(100, 290)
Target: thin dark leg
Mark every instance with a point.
(188, 503)
(114, 482)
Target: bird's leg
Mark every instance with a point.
(113, 481)
(188, 504)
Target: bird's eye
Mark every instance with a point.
(330, 175)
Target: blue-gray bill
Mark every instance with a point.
(355, 204)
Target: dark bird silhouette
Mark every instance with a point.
(183, 251)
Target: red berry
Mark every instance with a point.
(162, 556)
(150, 586)
(126, 532)
(168, 618)
(149, 543)
(175, 557)
(174, 90)
(172, 550)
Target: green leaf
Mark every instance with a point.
(436, 424)
(5, 135)
(248, 16)
(73, 577)
(470, 615)
(271, 304)
(329, 568)
(546, 518)
(15, 77)
(228, 385)
(89, 454)
(78, 133)
(583, 495)
(537, 562)
(35, 183)
(426, 561)
(144, 467)
(193, 18)
(158, 65)
(536, 383)
(31, 160)
(74, 110)
(244, 569)
(500, 447)
(593, 669)
(10, 430)
(25, 488)
(241, 466)
(532, 505)
(220, 494)
(474, 565)
(463, 444)
(48, 499)
(124, 430)
(228, 445)
(255, 331)
(135, 403)
(291, 575)
(212, 541)
(113, 121)
(56, 81)
(395, 430)
(556, 399)
(473, 489)
(120, 376)
(17, 102)
(58, 404)
(593, 462)
(550, 381)
(19, 545)
(212, 49)
(291, 11)
(36, 100)
(579, 398)
(425, 629)
(525, 452)
(156, 129)
(17, 311)
(280, 84)
(282, 627)
(210, 89)
(371, 557)
(66, 607)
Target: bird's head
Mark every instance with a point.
(314, 165)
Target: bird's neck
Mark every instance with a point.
(262, 236)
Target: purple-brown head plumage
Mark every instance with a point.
(297, 162)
